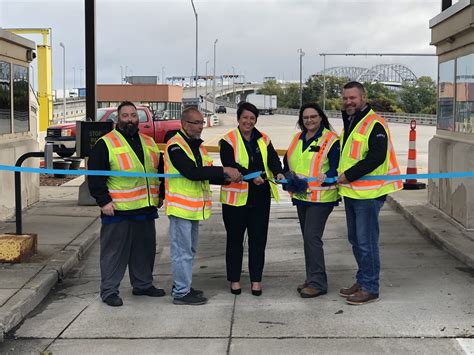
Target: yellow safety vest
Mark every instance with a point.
(236, 194)
(131, 193)
(311, 164)
(185, 198)
(355, 149)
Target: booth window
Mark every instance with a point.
(5, 98)
(446, 96)
(464, 119)
(21, 99)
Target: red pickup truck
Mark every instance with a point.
(64, 135)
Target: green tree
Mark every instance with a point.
(420, 97)
(381, 98)
(271, 87)
(291, 97)
(313, 91)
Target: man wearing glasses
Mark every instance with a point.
(189, 199)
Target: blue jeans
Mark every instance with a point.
(183, 246)
(362, 218)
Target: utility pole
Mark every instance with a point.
(64, 79)
(300, 51)
(214, 79)
(205, 96)
(196, 76)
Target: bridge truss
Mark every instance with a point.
(391, 74)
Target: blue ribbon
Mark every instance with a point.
(100, 172)
(451, 175)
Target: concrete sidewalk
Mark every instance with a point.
(434, 224)
(426, 294)
(65, 233)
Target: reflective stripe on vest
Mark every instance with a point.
(355, 149)
(185, 198)
(300, 163)
(129, 193)
(236, 194)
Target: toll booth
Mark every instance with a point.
(452, 148)
(18, 119)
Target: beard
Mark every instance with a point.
(350, 110)
(129, 128)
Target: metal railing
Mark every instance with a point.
(395, 117)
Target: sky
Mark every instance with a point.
(255, 38)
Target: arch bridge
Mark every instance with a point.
(388, 74)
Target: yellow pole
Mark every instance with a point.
(45, 92)
(45, 75)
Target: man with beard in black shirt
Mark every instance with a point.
(128, 206)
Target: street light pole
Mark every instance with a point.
(214, 79)
(324, 83)
(205, 95)
(163, 75)
(233, 84)
(196, 76)
(300, 51)
(64, 79)
(74, 83)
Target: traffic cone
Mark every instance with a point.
(412, 184)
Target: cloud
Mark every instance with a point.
(256, 38)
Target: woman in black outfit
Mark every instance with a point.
(246, 205)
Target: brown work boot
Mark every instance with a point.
(346, 292)
(362, 297)
(302, 286)
(310, 292)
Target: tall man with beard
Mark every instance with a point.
(128, 206)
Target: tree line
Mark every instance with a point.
(419, 97)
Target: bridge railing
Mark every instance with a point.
(396, 117)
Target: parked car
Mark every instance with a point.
(64, 135)
(221, 109)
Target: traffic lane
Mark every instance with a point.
(281, 129)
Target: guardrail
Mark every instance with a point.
(396, 117)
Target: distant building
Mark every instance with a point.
(141, 80)
(161, 99)
(18, 120)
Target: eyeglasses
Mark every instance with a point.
(196, 123)
(311, 117)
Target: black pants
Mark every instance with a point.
(255, 221)
(312, 221)
(131, 243)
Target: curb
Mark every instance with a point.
(433, 224)
(34, 292)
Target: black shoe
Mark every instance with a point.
(190, 300)
(195, 292)
(256, 292)
(235, 291)
(113, 301)
(151, 291)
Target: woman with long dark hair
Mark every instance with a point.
(314, 153)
